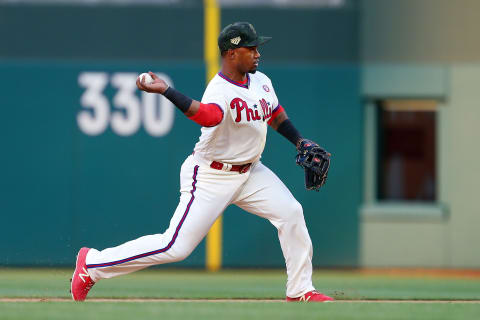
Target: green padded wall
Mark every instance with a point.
(63, 188)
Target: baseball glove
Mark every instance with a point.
(315, 161)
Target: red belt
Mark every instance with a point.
(241, 168)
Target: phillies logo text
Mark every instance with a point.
(251, 114)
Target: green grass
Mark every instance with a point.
(260, 284)
(235, 284)
(235, 310)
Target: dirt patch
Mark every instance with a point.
(423, 272)
(223, 300)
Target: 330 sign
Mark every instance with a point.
(126, 112)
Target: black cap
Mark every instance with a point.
(239, 34)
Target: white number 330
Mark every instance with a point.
(128, 112)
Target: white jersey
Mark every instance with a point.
(206, 191)
(240, 137)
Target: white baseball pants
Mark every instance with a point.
(205, 193)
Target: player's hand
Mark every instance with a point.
(157, 86)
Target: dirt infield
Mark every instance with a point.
(223, 300)
(423, 272)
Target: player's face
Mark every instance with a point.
(247, 59)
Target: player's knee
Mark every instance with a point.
(298, 207)
(294, 210)
(179, 254)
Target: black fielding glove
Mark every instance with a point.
(316, 161)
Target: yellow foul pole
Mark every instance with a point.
(211, 31)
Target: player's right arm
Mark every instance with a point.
(207, 115)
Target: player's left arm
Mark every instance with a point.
(313, 158)
(283, 125)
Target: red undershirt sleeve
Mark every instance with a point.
(275, 113)
(208, 115)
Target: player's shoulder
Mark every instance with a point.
(215, 84)
(215, 90)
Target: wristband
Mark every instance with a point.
(180, 100)
(287, 130)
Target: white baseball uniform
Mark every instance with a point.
(207, 189)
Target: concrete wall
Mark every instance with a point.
(422, 31)
(425, 49)
(464, 159)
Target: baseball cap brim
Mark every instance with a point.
(258, 42)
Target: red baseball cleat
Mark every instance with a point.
(81, 282)
(311, 296)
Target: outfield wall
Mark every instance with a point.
(71, 179)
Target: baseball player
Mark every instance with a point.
(225, 168)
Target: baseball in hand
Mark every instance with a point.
(148, 78)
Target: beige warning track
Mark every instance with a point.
(223, 300)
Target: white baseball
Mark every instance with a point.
(148, 78)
